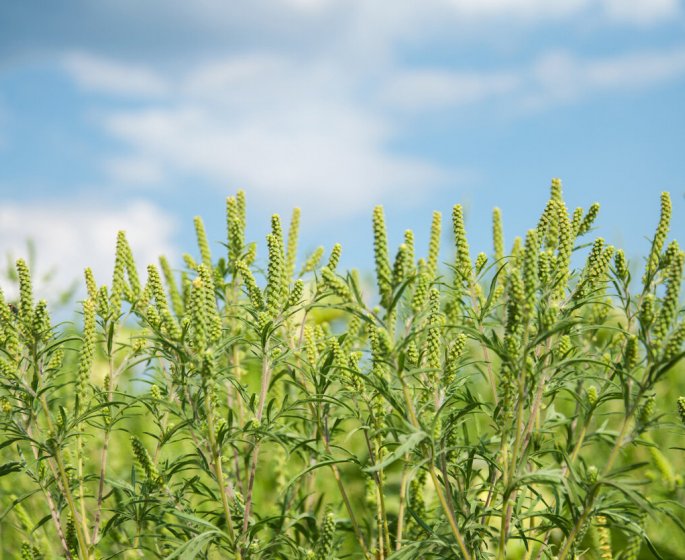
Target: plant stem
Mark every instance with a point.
(436, 483)
(266, 378)
(593, 494)
(403, 502)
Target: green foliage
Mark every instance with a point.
(507, 407)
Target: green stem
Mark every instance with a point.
(266, 378)
(593, 494)
(219, 474)
(402, 506)
(436, 483)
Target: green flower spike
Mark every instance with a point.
(647, 410)
(481, 261)
(548, 227)
(591, 395)
(380, 346)
(603, 538)
(455, 352)
(680, 405)
(434, 243)
(174, 294)
(6, 320)
(589, 219)
(336, 284)
(669, 305)
(412, 355)
(293, 234)
(631, 353)
(251, 253)
(311, 350)
(253, 291)
(295, 297)
(515, 305)
(87, 354)
(576, 220)
(463, 258)
(334, 257)
(235, 226)
(565, 248)
(25, 293)
(544, 268)
(646, 314)
(423, 282)
(119, 288)
(621, 264)
(324, 545)
(433, 343)
(198, 315)
(190, 262)
(530, 272)
(497, 234)
(274, 274)
(409, 242)
(675, 342)
(143, 459)
(276, 281)
(401, 265)
(382, 260)
(515, 260)
(154, 283)
(202, 244)
(312, 261)
(659, 237)
(91, 286)
(210, 309)
(155, 392)
(41, 322)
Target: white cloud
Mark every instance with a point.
(70, 236)
(553, 78)
(283, 128)
(631, 12)
(328, 158)
(534, 10)
(437, 89)
(318, 126)
(641, 12)
(102, 75)
(561, 77)
(309, 5)
(294, 130)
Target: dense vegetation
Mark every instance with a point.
(505, 406)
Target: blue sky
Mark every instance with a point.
(138, 116)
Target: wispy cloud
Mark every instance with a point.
(440, 89)
(272, 123)
(99, 74)
(638, 12)
(311, 130)
(553, 78)
(71, 236)
(561, 77)
(642, 12)
(283, 157)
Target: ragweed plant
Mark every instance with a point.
(258, 406)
